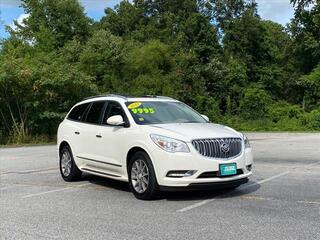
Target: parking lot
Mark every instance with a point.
(281, 200)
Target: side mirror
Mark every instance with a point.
(205, 117)
(115, 120)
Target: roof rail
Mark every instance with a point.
(106, 95)
(116, 95)
(146, 96)
(165, 97)
(155, 96)
(96, 96)
(126, 97)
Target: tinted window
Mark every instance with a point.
(78, 112)
(113, 108)
(95, 112)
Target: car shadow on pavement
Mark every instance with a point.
(245, 189)
(212, 193)
(108, 183)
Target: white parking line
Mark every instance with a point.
(56, 190)
(6, 188)
(29, 171)
(245, 187)
(312, 164)
(309, 202)
(195, 205)
(263, 181)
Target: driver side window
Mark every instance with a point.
(112, 109)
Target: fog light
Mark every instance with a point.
(181, 173)
(190, 173)
(249, 167)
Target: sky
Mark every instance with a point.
(276, 10)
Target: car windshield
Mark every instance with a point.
(163, 112)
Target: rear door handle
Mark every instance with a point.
(77, 133)
(98, 136)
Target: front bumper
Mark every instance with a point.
(165, 162)
(206, 186)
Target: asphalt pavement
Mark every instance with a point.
(281, 200)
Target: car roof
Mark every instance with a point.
(123, 98)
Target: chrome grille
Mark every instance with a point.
(217, 147)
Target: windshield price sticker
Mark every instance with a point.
(134, 105)
(143, 111)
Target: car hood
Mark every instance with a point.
(190, 131)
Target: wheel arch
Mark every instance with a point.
(134, 150)
(152, 190)
(62, 144)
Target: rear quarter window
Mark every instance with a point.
(77, 113)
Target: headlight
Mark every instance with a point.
(169, 144)
(246, 141)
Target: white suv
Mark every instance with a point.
(155, 143)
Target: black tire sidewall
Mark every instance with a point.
(75, 173)
(153, 187)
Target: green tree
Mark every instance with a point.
(305, 28)
(51, 24)
(218, 56)
(244, 40)
(102, 58)
(37, 89)
(125, 20)
(16, 87)
(311, 85)
(255, 103)
(224, 12)
(302, 4)
(236, 80)
(176, 23)
(149, 70)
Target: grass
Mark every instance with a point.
(9, 145)
(28, 141)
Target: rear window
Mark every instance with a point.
(95, 112)
(78, 112)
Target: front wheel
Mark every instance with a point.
(68, 168)
(142, 178)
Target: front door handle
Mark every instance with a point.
(98, 136)
(77, 133)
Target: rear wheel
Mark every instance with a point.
(142, 178)
(68, 168)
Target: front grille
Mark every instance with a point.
(216, 174)
(218, 147)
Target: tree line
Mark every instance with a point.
(218, 56)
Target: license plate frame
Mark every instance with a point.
(227, 169)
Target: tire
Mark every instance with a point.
(73, 173)
(151, 190)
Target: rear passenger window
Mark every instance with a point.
(78, 112)
(95, 112)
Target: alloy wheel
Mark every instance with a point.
(140, 176)
(66, 163)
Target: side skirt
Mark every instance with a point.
(100, 173)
